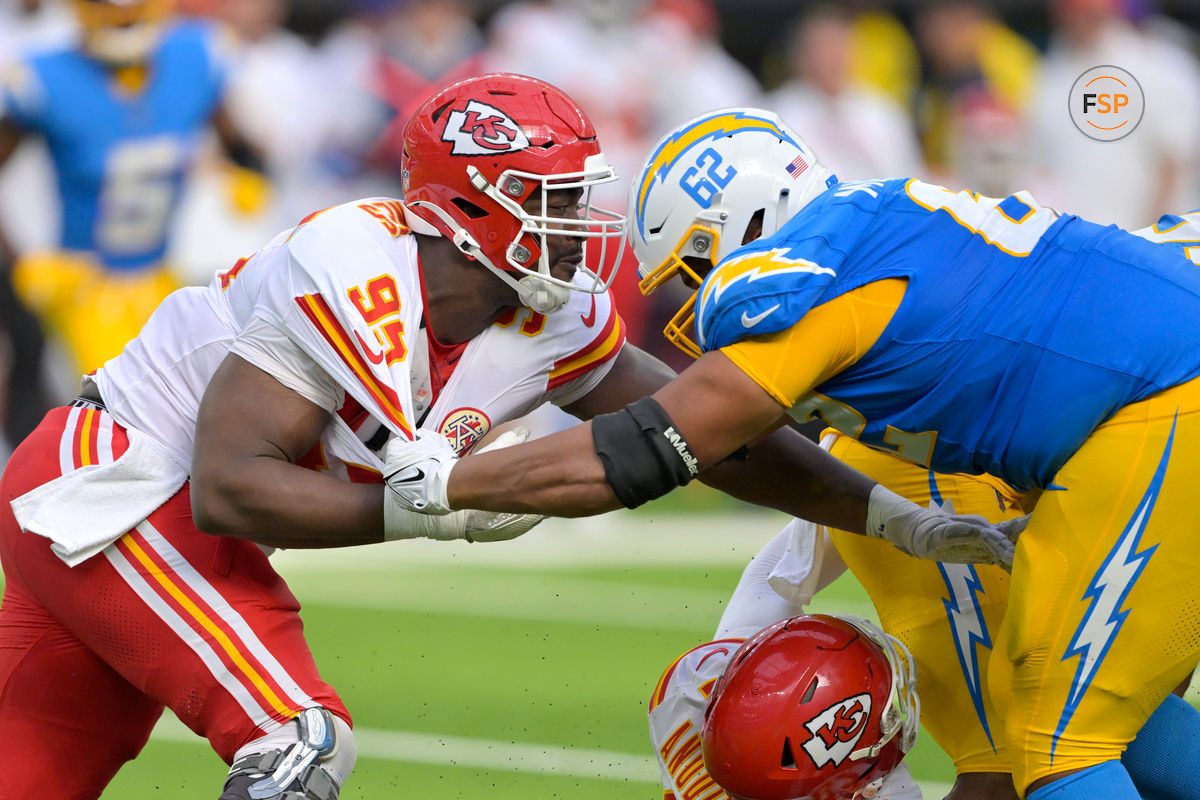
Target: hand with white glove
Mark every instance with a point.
(936, 534)
(417, 472)
(435, 461)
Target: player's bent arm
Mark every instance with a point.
(713, 405)
(658, 443)
(250, 431)
(768, 474)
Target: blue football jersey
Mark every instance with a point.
(1019, 332)
(1180, 232)
(120, 156)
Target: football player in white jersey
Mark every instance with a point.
(779, 706)
(253, 412)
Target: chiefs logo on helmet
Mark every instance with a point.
(837, 729)
(483, 130)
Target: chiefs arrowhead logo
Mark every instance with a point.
(482, 130)
(464, 427)
(837, 729)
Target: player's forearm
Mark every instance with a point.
(559, 475)
(272, 502)
(789, 473)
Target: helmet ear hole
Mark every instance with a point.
(470, 209)
(788, 760)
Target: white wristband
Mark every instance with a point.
(400, 522)
(882, 506)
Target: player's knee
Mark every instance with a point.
(309, 758)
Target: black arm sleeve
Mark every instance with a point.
(644, 456)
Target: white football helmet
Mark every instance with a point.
(702, 185)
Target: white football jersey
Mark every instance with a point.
(343, 288)
(677, 716)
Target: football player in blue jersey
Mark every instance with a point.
(123, 113)
(965, 334)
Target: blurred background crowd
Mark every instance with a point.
(305, 102)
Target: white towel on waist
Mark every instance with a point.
(809, 563)
(88, 509)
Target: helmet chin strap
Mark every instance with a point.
(542, 296)
(533, 291)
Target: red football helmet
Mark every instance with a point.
(816, 707)
(480, 148)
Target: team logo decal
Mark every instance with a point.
(463, 427)
(483, 130)
(837, 729)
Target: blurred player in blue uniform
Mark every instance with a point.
(123, 114)
(962, 333)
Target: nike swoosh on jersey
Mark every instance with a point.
(749, 321)
(589, 319)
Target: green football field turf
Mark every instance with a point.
(510, 670)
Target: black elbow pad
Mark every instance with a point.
(644, 456)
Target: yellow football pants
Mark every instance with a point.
(946, 614)
(93, 312)
(1104, 609)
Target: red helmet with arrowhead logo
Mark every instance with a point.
(479, 151)
(816, 707)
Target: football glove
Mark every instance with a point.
(435, 458)
(933, 533)
(417, 472)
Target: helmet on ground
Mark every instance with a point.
(702, 185)
(475, 153)
(816, 707)
(121, 32)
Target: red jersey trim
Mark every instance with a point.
(326, 323)
(606, 345)
(660, 689)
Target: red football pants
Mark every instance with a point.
(166, 616)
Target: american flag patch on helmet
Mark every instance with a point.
(797, 167)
